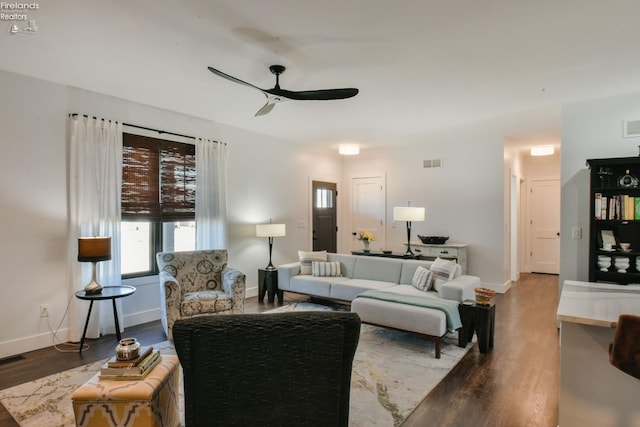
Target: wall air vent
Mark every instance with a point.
(435, 163)
(11, 359)
(631, 129)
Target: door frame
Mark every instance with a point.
(529, 197)
(383, 177)
(335, 210)
(309, 209)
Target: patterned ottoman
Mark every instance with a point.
(151, 402)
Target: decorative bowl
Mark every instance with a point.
(127, 349)
(433, 240)
(484, 296)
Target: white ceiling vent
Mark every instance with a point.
(631, 129)
(435, 163)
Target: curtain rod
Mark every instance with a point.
(144, 128)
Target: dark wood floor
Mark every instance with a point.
(515, 385)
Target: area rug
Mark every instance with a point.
(392, 372)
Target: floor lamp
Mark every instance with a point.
(94, 250)
(271, 231)
(408, 214)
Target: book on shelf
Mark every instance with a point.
(131, 373)
(636, 214)
(630, 208)
(598, 206)
(115, 363)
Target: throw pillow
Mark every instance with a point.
(422, 279)
(443, 271)
(306, 258)
(325, 269)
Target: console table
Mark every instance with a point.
(452, 251)
(385, 254)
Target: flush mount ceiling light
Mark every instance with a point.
(349, 149)
(542, 150)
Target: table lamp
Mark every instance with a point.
(94, 250)
(408, 214)
(270, 231)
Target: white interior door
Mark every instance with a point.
(368, 211)
(545, 226)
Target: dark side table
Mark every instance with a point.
(268, 283)
(478, 318)
(108, 292)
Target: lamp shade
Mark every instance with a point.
(408, 213)
(94, 249)
(271, 230)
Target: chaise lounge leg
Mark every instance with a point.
(437, 341)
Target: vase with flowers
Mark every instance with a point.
(366, 237)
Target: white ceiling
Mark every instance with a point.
(420, 65)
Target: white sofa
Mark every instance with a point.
(390, 275)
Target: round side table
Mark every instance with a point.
(108, 292)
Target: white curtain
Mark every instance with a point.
(211, 194)
(95, 179)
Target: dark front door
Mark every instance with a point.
(324, 216)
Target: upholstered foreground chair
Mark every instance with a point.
(624, 352)
(197, 283)
(281, 369)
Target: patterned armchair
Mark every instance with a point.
(196, 283)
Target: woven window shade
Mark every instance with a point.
(158, 179)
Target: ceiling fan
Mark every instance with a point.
(277, 94)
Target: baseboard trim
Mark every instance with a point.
(45, 339)
(33, 342)
(499, 288)
(140, 318)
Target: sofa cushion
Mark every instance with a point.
(347, 263)
(443, 271)
(306, 258)
(347, 290)
(377, 268)
(409, 267)
(312, 285)
(325, 269)
(410, 318)
(422, 279)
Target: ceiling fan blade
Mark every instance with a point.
(266, 108)
(233, 79)
(314, 95)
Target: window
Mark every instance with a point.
(158, 201)
(324, 198)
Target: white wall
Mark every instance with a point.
(33, 209)
(590, 130)
(463, 199)
(541, 167)
(267, 178)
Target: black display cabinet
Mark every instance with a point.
(614, 220)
